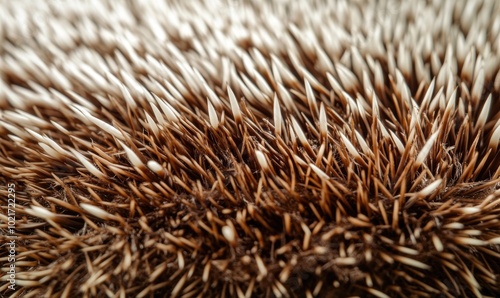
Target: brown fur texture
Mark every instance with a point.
(251, 148)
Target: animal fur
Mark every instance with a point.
(251, 148)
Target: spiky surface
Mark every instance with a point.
(252, 149)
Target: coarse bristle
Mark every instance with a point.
(251, 148)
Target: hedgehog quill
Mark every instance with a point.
(250, 148)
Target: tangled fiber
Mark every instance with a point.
(250, 148)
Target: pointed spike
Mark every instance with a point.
(132, 157)
(483, 116)
(350, 147)
(311, 100)
(278, 121)
(323, 122)
(235, 108)
(426, 149)
(88, 165)
(261, 158)
(318, 171)
(212, 115)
